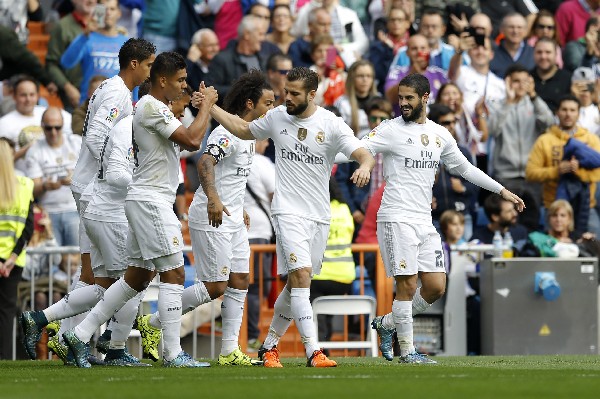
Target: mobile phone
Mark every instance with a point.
(331, 55)
(99, 15)
(479, 37)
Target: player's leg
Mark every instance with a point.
(232, 309)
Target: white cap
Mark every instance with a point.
(583, 74)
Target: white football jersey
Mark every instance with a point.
(231, 174)
(110, 103)
(305, 150)
(107, 203)
(411, 156)
(156, 172)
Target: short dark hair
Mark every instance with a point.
(135, 49)
(144, 88)
(249, 86)
(379, 104)
(166, 64)
(545, 40)
(418, 82)
(516, 68)
(274, 59)
(24, 78)
(569, 97)
(590, 22)
(309, 77)
(493, 205)
(436, 111)
(434, 11)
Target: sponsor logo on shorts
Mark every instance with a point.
(293, 258)
(302, 133)
(175, 241)
(320, 137)
(425, 140)
(224, 271)
(402, 264)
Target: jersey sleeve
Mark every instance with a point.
(220, 144)
(261, 128)
(451, 155)
(118, 171)
(376, 141)
(111, 109)
(160, 119)
(347, 143)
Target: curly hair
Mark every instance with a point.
(249, 86)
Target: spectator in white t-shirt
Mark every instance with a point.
(257, 204)
(27, 113)
(50, 162)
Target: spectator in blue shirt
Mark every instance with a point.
(97, 49)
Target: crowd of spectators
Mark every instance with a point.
(516, 83)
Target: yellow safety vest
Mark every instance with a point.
(338, 263)
(12, 220)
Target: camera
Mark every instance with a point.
(479, 37)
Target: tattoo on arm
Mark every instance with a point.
(206, 173)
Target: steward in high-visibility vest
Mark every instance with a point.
(13, 221)
(338, 263)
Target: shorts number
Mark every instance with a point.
(439, 259)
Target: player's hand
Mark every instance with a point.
(210, 94)
(508, 196)
(246, 220)
(361, 177)
(358, 216)
(215, 210)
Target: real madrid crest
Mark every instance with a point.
(438, 141)
(293, 258)
(224, 271)
(425, 140)
(175, 242)
(302, 133)
(402, 264)
(320, 137)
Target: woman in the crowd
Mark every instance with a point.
(330, 68)
(360, 88)
(544, 25)
(16, 227)
(468, 131)
(281, 23)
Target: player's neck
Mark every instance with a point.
(310, 110)
(128, 79)
(159, 95)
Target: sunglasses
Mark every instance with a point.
(50, 128)
(447, 123)
(283, 71)
(549, 27)
(373, 118)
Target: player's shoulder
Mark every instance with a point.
(279, 112)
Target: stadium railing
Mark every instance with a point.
(383, 289)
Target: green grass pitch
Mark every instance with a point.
(508, 377)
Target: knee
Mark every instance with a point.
(432, 293)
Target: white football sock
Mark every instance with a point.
(402, 313)
(191, 298)
(232, 311)
(303, 316)
(122, 321)
(169, 309)
(282, 318)
(419, 305)
(71, 322)
(388, 321)
(114, 298)
(75, 302)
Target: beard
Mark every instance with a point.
(414, 115)
(297, 110)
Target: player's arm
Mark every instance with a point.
(233, 123)
(362, 175)
(190, 138)
(118, 173)
(96, 130)
(206, 173)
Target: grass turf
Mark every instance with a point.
(507, 377)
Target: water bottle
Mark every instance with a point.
(498, 244)
(508, 245)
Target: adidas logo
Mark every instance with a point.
(284, 131)
(409, 141)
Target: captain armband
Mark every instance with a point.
(215, 151)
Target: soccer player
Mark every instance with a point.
(154, 241)
(307, 138)
(220, 243)
(413, 147)
(110, 103)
